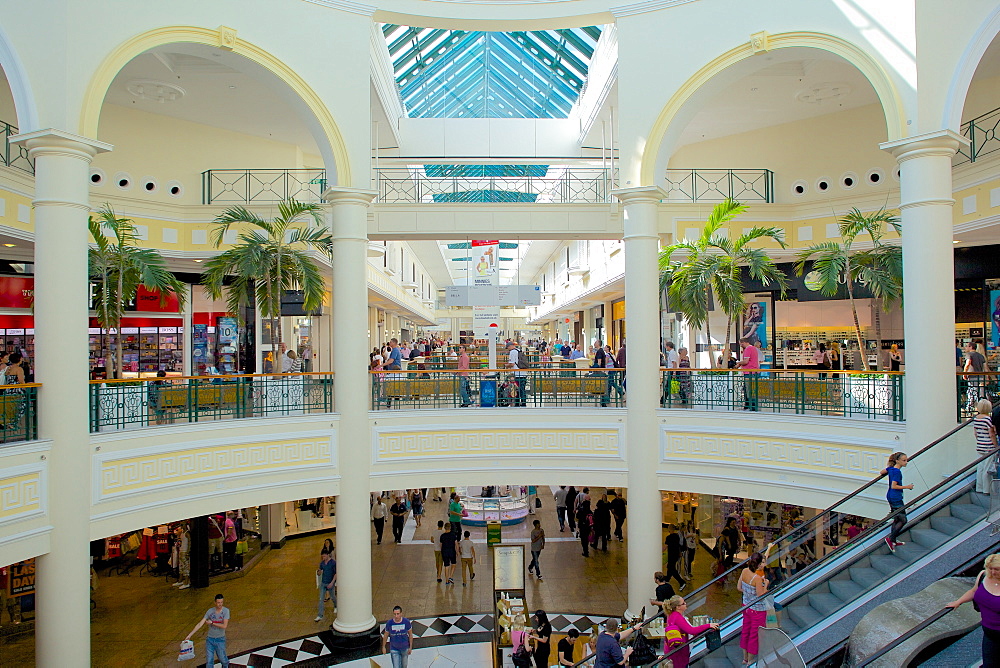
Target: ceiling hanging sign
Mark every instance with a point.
(485, 262)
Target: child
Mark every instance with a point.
(894, 496)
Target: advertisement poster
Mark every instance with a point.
(483, 317)
(22, 578)
(755, 327)
(226, 336)
(995, 317)
(199, 349)
(485, 262)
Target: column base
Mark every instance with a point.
(356, 645)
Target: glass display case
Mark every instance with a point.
(505, 504)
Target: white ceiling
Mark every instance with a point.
(221, 89)
(782, 88)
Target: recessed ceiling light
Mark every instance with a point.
(231, 87)
(197, 260)
(10, 245)
(956, 241)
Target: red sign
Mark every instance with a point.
(149, 301)
(16, 291)
(484, 243)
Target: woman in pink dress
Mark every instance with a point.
(674, 610)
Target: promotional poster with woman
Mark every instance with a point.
(755, 324)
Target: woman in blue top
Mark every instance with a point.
(894, 496)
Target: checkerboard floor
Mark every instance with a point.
(431, 630)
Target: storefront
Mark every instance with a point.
(507, 504)
(616, 332)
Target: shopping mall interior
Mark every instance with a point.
(326, 251)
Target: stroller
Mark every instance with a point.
(508, 392)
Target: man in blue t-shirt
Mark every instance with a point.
(609, 652)
(327, 582)
(397, 638)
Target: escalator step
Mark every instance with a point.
(825, 604)
(980, 499)
(968, 512)
(929, 538)
(803, 614)
(865, 577)
(949, 525)
(887, 564)
(846, 590)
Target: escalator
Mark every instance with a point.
(818, 605)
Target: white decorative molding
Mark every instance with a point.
(345, 6)
(759, 42)
(646, 7)
(141, 470)
(23, 492)
(411, 443)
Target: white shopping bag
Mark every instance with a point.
(187, 651)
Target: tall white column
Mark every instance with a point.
(350, 338)
(642, 327)
(928, 284)
(62, 162)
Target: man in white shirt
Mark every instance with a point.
(671, 361)
(520, 375)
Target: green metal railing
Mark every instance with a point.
(130, 404)
(19, 412)
(971, 387)
(716, 185)
(251, 186)
(15, 156)
(981, 132)
(489, 388)
(854, 394)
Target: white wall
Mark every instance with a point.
(488, 137)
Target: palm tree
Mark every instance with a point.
(268, 259)
(713, 268)
(879, 268)
(120, 266)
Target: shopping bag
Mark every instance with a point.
(187, 651)
(241, 547)
(713, 639)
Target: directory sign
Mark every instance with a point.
(493, 295)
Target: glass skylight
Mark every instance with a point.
(476, 74)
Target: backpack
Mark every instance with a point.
(522, 361)
(672, 637)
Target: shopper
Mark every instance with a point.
(895, 358)
(542, 635)
(215, 534)
(684, 376)
(182, 544)
(750, 362)
(585, 524)
(449, 556)
(217, 618)
(455, 511)
(229, 541)
(672, 545)
(664, 592)
(417, 506)
(564, 650)
(518, 364)
(399, 513)
(609, 651)
(468, 553)
(671, 362)
(753, 585)
(571, 495)
(329, 547)
(602, 525)
(614, 378)
(691, 546)
(327, 580)
(537, 545)
(464, 363)
(985, 594)
(619, 509)
(532, 499)
(730, 541)
(560, 499)
(397, 639)
(894, 470)
(975, 363)
(986, 443)
(379, 512)
(674, 610)
(436, 542)
(821, 360)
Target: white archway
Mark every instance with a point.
(20, 86)
(968, 64)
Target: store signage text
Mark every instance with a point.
(19, 292)
(22, 578)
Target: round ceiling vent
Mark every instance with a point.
(155, 91)
(824, 92)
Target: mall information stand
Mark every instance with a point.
(509, 604)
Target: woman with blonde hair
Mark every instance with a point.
(986, 443)
(678, 631)
(986, 595)
(753, 585)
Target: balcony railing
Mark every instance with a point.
(131, 404)
(19, 412)
(981, 132)
(539, 184)
(250, 186)
(716, 185)
(15, 156)
(975, 386)
(853, 394)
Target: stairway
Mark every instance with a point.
(829, 595)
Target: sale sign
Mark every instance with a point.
(22, 578)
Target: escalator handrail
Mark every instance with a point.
(903, 638)
(874, 529)
(802, 529)
(639, 630)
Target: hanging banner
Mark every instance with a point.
(995, 317)
(485, 262)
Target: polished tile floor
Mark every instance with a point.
(140, 620)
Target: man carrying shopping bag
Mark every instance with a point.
(217, 619)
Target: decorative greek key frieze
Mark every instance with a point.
(127, 472)
(487, 440)
(21, 496)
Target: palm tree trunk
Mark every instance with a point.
(727, 345)
(119, 356)
(877, 316)
(857, 326)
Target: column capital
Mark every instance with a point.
(653, 194)
(939, 143)
(344, 195)
(51, 139)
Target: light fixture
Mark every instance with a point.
(197, 260)
(10, 245)
(956, 241)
